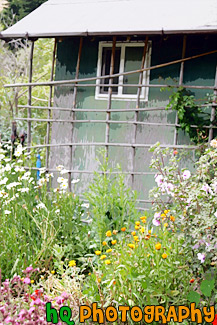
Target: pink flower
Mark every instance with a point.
(159, 180)
(28, 269)
(186, 174)
(27, 281)
(156, 220)
(201, 257)
(207, 189)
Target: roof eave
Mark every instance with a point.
(103, 33)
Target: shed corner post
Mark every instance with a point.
(29, 135)
(212, 117)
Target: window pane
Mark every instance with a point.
(133, 61)
(106, 62)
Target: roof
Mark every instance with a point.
(116, 17)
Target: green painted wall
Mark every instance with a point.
(200, 71)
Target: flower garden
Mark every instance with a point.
(59, 249)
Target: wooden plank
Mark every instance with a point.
(110, 95)
(180, 83)
(137, 108)
(101, 144)
(71, 151)
(110, 122)
(50, 103)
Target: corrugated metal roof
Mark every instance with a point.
(109, 17)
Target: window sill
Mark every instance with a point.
(120, 97)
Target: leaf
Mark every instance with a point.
(193, 296)
(206, 287)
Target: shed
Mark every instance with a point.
(111, 60)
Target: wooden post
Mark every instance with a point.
(30, 96)
(180, 83)
(212, 118)
(110, 96)
(71, 148)
(50, 104)
(137, 107)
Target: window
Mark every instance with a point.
(128, 57)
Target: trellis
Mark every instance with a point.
(76, 82)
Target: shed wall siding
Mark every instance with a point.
(198, 72)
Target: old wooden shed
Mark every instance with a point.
(141, 46)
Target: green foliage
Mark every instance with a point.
(112, 203)
(191, 198)
(189, 113)
(32, 221)
(14, 68)
(136, 272)
(20, 8)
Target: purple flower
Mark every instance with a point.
(186, 174)
(201, 257)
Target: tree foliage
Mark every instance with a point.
(20, 8)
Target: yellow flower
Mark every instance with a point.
(114, 242)
(123, 229)
(99, 280)
(137, 223)
(143, 221)
(108, 233)
(158, 246)
(52, 272)
(166, 225)
(164, 255)
(104, 243)
(166, 211)
(97, 252)
(142, 230)
(143, 218)
(32, 281)
(109, 250)
(103, 257)
(172, 218)
(115, 232)
(148, 255)
(42, 277)
(72, 263)
(149, 231)
(107, 262)
(131, 246)
(136, 238)
(137, 227)
(89, 273)
(163, 215)
(133, 233)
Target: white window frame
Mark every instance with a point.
(146, 74)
